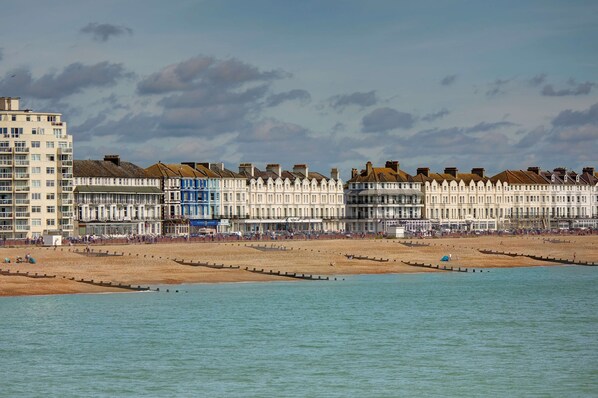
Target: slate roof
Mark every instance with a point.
(382, 174)
(103, 168)
(514, 177)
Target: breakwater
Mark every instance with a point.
(540, 258)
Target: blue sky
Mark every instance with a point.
(434, 84)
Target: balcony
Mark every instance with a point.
(67, 227)
(21, 149)
(5, 176)
(6, 228)
(6, 162)
(66, 214)
(65, 150)
(67, 188)
(66, 162)
(5, 188)
(21, 201)
(6, 215)
(22, 214)
(21, 163)
(21, 227)
(5, 149)
(67, 175)
(22, 188)
(5, 201)
(21, 176)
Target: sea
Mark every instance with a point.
(518, 332)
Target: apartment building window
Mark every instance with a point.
(51, 118)
(50, 196)
(36, 209)
(36, 222)
(36, 196)
(16, 132)
(57, 133)
(36, 183)
(49, 144)
(50, 158)
(4, 131)
(36, 157)
(51, 209)
(50, 222)
(50, 183)
(50, 170)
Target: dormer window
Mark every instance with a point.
(577, 178)
(552, 179)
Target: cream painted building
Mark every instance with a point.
(297, 200)
(464, 201)
(382, 198)
(36, 173)
(116, 198)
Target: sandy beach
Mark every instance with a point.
(149, 265)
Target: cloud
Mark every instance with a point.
(448, 80)
(102, 32)
(300, 95)
(485, 126)
(75, 78)
(537, 80)
(384, 119)
(436, 115)
(497, 87)
(1, 53)
(576, 89)
(577, 118)
(205, 70)
(339, 102)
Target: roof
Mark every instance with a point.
(284, 174)
(382, 174)
(103, 168)
(519, 177)
(162, 170)
(440, 177)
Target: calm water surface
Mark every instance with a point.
(512, 332)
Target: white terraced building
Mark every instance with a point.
(36, 173)
(297, 200)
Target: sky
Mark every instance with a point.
(500, 85)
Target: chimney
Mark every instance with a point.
(535, 170)
(353, 173)
(334, 173)
(112, 158)
(369, 168)
(301, 169)
(589, 170)
(9, 103)
(560, 171)
(392, 164)
(451, 170)
(247, 168)
(274, 168)
(479, 171)
(193, 165)
(423, 170)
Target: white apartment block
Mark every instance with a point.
(297, 200)
(116, 198)
(464, 201)
(379, 198)
(36, 166)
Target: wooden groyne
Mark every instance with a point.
(137, 288)
(294, 275)
(93, 253)
(357, 257)
(205, 264)
(265, 248)
(540, 258)
(437, 267)
(8, 272)
(414, 244)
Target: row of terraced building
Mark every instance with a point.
(44, 190)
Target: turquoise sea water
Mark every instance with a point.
(509, 332)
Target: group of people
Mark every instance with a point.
(19, 259)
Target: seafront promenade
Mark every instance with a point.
(124, 267)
